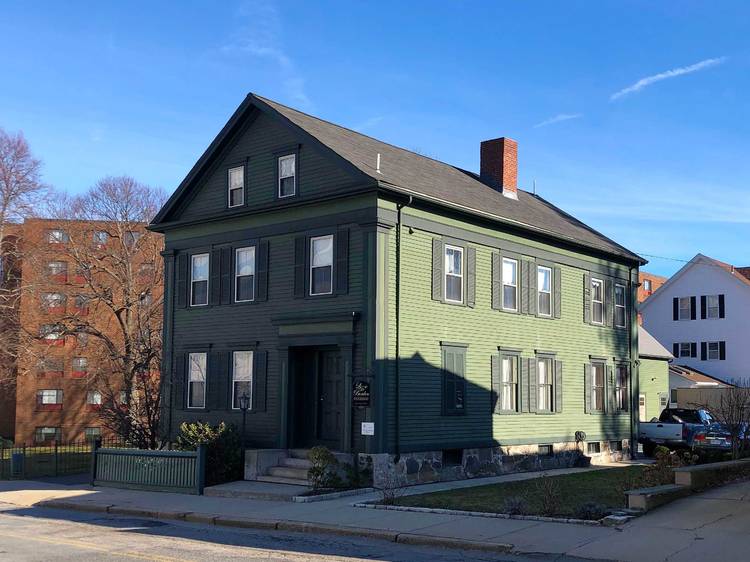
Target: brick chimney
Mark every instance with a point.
(499, 165)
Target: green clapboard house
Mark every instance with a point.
(438, 322)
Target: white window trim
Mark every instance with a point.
(460, 276)
(237, 275)
(189, 382)
(252, 375)
(709, 307)
(550, 376)
(241, 188)
(310, 273)
(623, 306)
(540, 291)
(94, 395)
(689, 349)
(595, 280)
(514, 285)
(603, 386)
(510, 384)
(708, 351)
(278, 164)
(207, 280)
(689, 308)
(623, 388)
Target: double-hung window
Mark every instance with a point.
(53, 301)
(545, 382)
(58, 270)
(244, 274)
(131, 237)
(685, 310)
(94, 398)
(287, 175)
(321, 265)
(242, 377)
(236, 182)
(598, 376)
(712, 306)
(647, 285)
(454, 274)
(621, 387)
(196, 395)
(199, 280)
(454, 379)
(44, 434)
(714, 350)
(597, 301)
(92, 433)
(510, 284)
(49, 397)
(544, 290)
(101, 237)
(509, 383)
(57, 236)
(685, 349)
(620, 315)
(80, 364)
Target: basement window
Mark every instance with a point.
(546, 450)
(593, 447)
(615, 446)
(453, 457)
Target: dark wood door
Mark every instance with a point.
(330, 399)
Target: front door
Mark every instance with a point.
(330, 418)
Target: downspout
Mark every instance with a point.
(397, 372)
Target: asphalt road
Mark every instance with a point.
(43, 534)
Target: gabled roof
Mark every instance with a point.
(406, 172)
(696, 376)
(649, 348)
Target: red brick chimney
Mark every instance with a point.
(499, 165)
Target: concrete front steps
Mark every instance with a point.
(291, 469)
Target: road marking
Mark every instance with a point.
(89, 546)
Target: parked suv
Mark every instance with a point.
(684, 428)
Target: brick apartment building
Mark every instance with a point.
(9, 306)
(59, 376)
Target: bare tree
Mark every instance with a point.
(119, 310)
(730, 407)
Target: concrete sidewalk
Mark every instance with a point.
(714, 523)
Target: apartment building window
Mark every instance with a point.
(510, 284)
(92, 433)
(100, 238)
(53, 302)
(145, 299)
(146, 269)
(196, 380)
(454, 274)
(509, 383)
(712, 306)
(49, 399)
(236, 182)
(199, 280)
(244, 274)
(82, 339)
(287, 175)
(57, 236)
(454, 379)
(51, 366)
(597, 301)
(685, 308)
(46, 434)
(81, 304)
(58, 271)
(242, 377)
(321, 265)
(122, 398)
(52, 334)
(80, 365)
(93, 399)
(545, 384)
(544, 289)
(621, 387)
(131, 237)
(620, 312)
(598, 376)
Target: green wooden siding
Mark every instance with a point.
(654, 380)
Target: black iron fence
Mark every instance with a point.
(52, 459)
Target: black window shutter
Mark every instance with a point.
(609, 390)
(226, 275)
(532, 384)
(178, 379)
(693, 349)
(692, 308)
(722, 350)
(213, 381)
(721, 306)
(523, 278)
(215, 277)
(497, 281)
(609, 299)
(261, 271)
(533, 298)
(676, 349)
(449, 381)
(587, 298)
(587, 388)
(675, 308)
(300, 251)
(260, 376)
(558, 386)
(460, 399)
(496, 390)
(342, 261)
(181, 280)
(471, 276)
(557, 292)
(704, 351)
(524, 386)
(437, 269)
(703, 307)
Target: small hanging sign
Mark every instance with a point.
(361, 394)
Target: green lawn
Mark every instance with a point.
(605, 487)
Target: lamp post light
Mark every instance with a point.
(244, 406)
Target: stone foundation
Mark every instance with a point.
(430, 466)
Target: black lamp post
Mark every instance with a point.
(244, 406)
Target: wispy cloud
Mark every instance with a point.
(681, 71)
(368, 123)
(261, 36)
(559, 118)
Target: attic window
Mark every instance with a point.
(287, 175)
(236, 186)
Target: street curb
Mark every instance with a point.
(332, 495)
(289, 526)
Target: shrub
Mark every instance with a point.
(515, 505)
(591, 510)
(549, 491)
(324, 473)
(223, 449)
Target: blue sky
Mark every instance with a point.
(141, 88)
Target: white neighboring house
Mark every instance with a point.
(702, 314)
